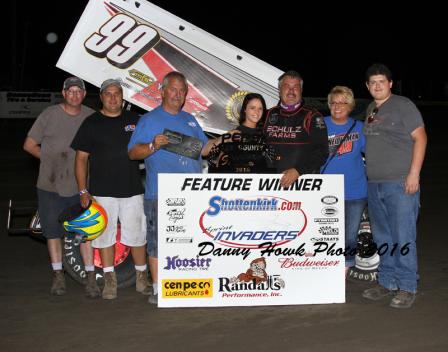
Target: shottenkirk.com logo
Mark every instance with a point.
(272, 219)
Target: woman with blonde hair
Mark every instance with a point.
(346, 147)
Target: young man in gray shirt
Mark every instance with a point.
(395, 150)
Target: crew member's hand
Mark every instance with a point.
(159, 141)
(85, 199)
(412, 184)
(289, 177)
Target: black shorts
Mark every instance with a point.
(50, 206)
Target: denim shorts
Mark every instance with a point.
(150, 206)
(50, 205)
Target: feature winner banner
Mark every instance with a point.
(139, 43)
(241, 240)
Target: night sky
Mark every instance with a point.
(327, 45)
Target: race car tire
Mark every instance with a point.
(74, 266)
(367, 258)
(72, 260)
(355, 274)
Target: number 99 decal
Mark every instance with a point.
(122, 41)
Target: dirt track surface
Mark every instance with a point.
(32, 320)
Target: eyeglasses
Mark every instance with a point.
(73, 92)
(334, 103)
(371, 117)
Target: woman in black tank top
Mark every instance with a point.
(244, 150)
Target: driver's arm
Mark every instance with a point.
(81, 160)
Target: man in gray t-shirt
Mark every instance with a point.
(49, 140)
(395, 150)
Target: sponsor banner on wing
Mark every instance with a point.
(259, 243)
(139, 45)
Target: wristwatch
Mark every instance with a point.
(83, 191)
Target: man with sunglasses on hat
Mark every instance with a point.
(49, 140)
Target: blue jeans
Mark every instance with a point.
(150, 207)
(353, 213)
(393, 218)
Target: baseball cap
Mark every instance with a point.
(74, 81)
(110, 82)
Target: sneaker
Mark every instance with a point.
(153, 299)
(376, 293)
(403, 299)
(110, 286)
(141, 283)
(92, 289)
(58, 285)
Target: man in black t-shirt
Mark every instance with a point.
(114, 182)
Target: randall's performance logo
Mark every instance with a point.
(273, 219)
(254, 279)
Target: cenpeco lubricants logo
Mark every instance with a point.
(187, 288)
(272, 219)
